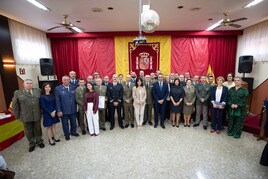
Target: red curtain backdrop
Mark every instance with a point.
(222, 54)
(189, 54)
(96, 54)
(65, 56)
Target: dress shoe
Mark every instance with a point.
(163, 126)
(185, 125)
(31, 148)
(173, 125)
(155, 126)
(83, 132)
(150, 123)
(42, 145)
(122, 127)
(195, 125)
(111, 128)
(126, 126)
(132, 125)
(144, 123)
(67, 138)
(177, 126)
(188, 125)
(218, 132)
(76, 134)
(212, 131)
(205, 127)
(56, 140)
(104, 129)
(51, 143)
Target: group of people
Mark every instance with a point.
(93, 102)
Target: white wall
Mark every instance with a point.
(254, 41)
(32, 72)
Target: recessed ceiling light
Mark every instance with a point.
(78, 21)
(195, 9)
(253, 3)
(210, 19)
(180, 7)
(110, 8)
(96, 10)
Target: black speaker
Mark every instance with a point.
(250, 81)
(245, 64)
(46, 66)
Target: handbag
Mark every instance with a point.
(6, 174)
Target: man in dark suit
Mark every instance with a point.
(115, 99)
(66, 106)
(73, 80)
(160, 93)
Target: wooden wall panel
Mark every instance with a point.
(258, 96)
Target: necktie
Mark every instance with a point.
(30, 93)
(128, 85)
(161, 85)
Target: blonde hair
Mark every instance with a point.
(220, 78)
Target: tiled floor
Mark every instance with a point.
(146, 153)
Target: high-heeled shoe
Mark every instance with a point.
(177, 126)
(185, 125)
(51, 143)
(56, 140)
(173, 125)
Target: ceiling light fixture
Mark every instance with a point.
(253, 3)
(39, 5)
(214, 25)
(76, 29)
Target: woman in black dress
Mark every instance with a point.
(50, 119)
(176, 97)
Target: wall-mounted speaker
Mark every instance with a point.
(245, 64)
(46, 66)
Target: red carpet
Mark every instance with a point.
(251, 124)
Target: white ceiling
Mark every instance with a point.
(125, 15)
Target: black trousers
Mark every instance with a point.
(111, 113)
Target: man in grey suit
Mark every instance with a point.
(79, 97)
(149, 101)
(202, 91)
(128, 102)
(26, 108)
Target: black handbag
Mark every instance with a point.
(6, 174)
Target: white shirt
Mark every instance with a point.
(218, 94)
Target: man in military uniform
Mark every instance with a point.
(102, 90)
(149, 101)
(66, 107)
(237, 101)
(73, 80)
(202, 91)
(79, 97)
(26, 108)
(128, 102)
(115, 99)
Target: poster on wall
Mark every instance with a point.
(144, 57)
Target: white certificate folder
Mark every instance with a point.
(101, 102)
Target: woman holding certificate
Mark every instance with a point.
(91, 103)
(139, 96)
